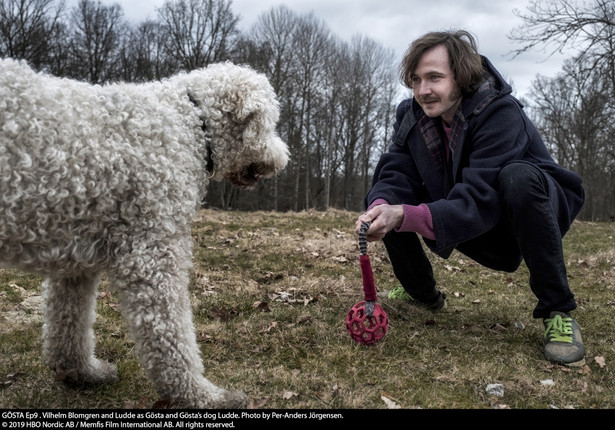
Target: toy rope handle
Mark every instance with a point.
(369, 287)
(363, 237)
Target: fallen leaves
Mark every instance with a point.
(222, 314)
(109, 301)
(261, 402)
(583, 370)
(601, 361)
(23, 309)
(262, 306)
(388, 401)
(10, 379)
(452, 268)
(498, 327)
(272, 325)
(293, 296)
(269, 277)
(287, 395)
(258, 403)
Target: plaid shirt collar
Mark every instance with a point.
(430, 128)
(433, 137)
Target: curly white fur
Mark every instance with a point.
(107, 179)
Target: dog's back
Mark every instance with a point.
(78, 164)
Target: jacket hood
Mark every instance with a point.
(494, 86)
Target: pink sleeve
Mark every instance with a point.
(418, 219)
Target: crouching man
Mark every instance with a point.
(467, 170)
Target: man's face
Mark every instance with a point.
(434, 85)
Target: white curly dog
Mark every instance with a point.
(107, 178)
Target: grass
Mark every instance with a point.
(270, 293)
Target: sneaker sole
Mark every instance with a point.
(579, 363)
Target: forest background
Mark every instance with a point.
(337, 98)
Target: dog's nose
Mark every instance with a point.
(252, 171)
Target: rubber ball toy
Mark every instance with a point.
(367, 322)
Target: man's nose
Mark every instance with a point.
(422, 89)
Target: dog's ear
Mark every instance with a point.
(248, 108)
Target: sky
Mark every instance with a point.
(396, 23)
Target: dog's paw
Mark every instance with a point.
(232, 400)
(101, 371)
(224, 399)
(96, 372)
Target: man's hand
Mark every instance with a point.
(384, 218)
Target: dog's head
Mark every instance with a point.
(240, 112)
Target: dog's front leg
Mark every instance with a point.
(69, 312)
(155, 302)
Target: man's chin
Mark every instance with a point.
(432, 112)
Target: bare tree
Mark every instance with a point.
(560, 24)
(312, 43)
(573, 112)
(273, 34)
(96, 33)
(58, 59)
(328, 131)
(143, 53)
(292, 50)
(29, 28)
(199, 32)
(366, 101)
(575, 109)
(268, 46)
(336, 105)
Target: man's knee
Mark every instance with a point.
(520, 182)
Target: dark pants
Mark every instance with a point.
(528, 230)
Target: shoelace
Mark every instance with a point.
(559, 329)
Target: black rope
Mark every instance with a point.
(369, 305)
(363, 237)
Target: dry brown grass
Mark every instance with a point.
(270, 294)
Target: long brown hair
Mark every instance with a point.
(465, 61)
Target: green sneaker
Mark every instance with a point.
(400, 293)
(563, 342)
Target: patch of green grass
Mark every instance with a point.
(270, 293)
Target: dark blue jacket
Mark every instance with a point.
(489, 130)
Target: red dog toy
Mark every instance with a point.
(366, 321)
